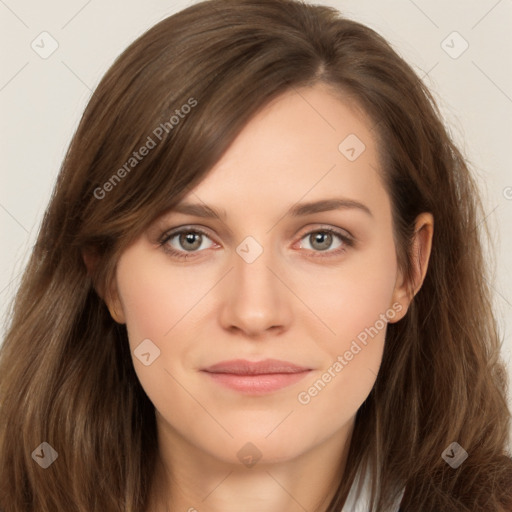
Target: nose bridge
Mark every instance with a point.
(256, 299)
(253, 279)
(252, 264)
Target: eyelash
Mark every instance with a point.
(183, 255)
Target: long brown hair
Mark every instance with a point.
(67, 377)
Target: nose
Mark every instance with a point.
(255, 300)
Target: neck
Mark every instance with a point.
(189, 480)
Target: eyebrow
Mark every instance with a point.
(297, 210)
(326, 205)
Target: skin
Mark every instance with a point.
(287, 304)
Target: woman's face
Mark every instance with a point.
(300, 266)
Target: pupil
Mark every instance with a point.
(326, 240)
(190, 238)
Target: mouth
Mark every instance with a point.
(256, 377)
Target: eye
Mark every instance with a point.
(321, 241)
(185, 242)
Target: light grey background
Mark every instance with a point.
(42, 99)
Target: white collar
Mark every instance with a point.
(358, 499)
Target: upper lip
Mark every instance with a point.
(244, 367)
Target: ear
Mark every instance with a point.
(110, 296)
(407, 288)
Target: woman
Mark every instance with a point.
(326, 341)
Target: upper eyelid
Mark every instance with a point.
(171, 233)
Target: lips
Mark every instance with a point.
(256, 378)
(243, 367)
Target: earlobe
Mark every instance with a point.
(114, 304)
(407, 288)
(115, 310)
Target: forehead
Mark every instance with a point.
(305, 145)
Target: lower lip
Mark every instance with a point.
(257, 384)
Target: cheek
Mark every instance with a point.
(153, 299)
(154, 306)
(146, 308)
(356, 305)
(357, 295)
(353, 358)
(162, 305)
